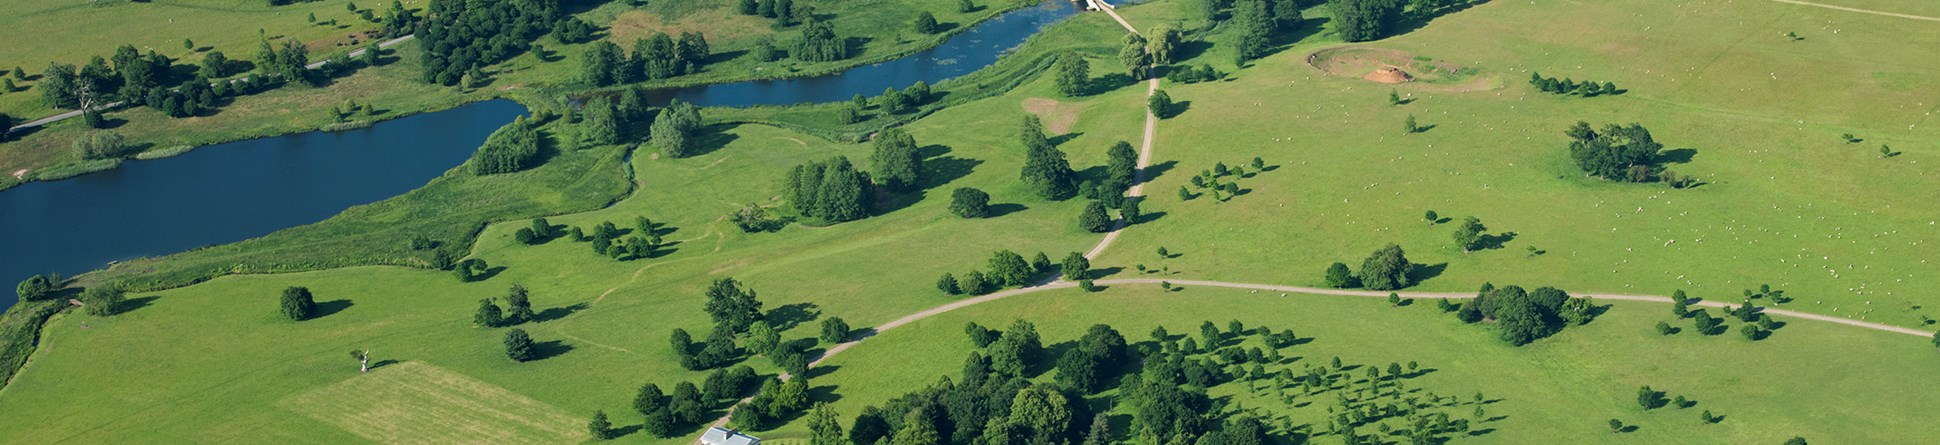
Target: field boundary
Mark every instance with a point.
(1861, 11)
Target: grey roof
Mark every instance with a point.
(723, 436)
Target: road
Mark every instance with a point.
(112, 105)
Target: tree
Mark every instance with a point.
(1256, 28)
(762, 338)
(834, 330)
(599, 427)
(298, 304)
(102, 301)
(673, 130)
(1009, 269)
(488, 314)
(973, 283)
(1469, 233)
(732, 307)
(819, 43)
(1073, 74)
(1134, 56)
(1076, 267)
(1936, 339)
(1619, 153)
(1386, 269)
(1665, 329)
(101, 144)
(518, 345)
(1016, 350)
(511, 148)
(602, 122)
(1121, 167)
(968, 202)
(948, 284)
(1047, 171)
(1649, 398)
(363, 359)
(925, 23)
(1165, 41)
(898, 165)
(652, 404)
(1432, 217)
(1795, 440)
(1616, 426)
(518, 305)
(39, 286)
(1411, 126)
(1339, 277)
(1160, 104)
(603, 65)
(825, 426)
(918, 429)
(1364, 20)
(1093, 219)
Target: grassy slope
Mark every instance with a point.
(1559, 390)
(41, 32)
(1789, 204)
(620, 313)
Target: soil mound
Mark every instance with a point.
(1389, 75)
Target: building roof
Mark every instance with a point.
(723, 436)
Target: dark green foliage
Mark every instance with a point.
(948, 284)
(462, 36)
(488, 314)
(604, 65)
(1041, 264)
(831, 190)
(673, 130)
(1134, 56)
(518, 305)
(298, 304)
(732, 307)
(1009, 269)
(1100, 353)
(511, 148)
(35, 287)
(1339, 277)
(820, 43)
(968, 202)
(979, 335)
(469, 270)
(1469, 233)
(1047, 171)
(599, 427)
(718, 349)
(101, 144)
(1364, 20)
(1570, 87)
(1619, 153)
(1018, 350)
(1073, 74)
(834, 330)
(683, 347)
(898, 165)
(602, 122)
(974, 283)
(1160, 104)
(1386, 269)
(1649, 398)
(652, 404)
(925, 23)
(1076, 267)
(1094, 219)
(1256, 27)
(102, 300)
(518, 345)
(687, 405)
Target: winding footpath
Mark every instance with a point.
(1861, 11)
(112, 105)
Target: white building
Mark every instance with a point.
(723, 436)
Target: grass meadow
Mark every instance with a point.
(1784, 200)
(1563, 389)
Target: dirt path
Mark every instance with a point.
(113, 105)
(1861, 11)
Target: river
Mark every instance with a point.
(235, 191)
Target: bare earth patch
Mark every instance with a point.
(20, 174)
(1058, 119)
(1389, 66)
(417, 403)
(717, 25)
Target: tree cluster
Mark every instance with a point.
(611, 120)
(673, 131)
(831, 190)
(511, 148)
(1522, 316)
(1571, 87)
(1045, 168)
(461, 37)
(1619, 153)
(898, 164)
(1364, 20)
(820, 43)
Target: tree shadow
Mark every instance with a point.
(555, 313)
(549, 349)
(1425, 272)
(382, 363)
(1424, 128)
(1190, 49)
(1176, 109)
(1490, 241)
(1062, 138)
(711, 138)
(489, 273)
(626, 430)
(130, 305)
(947, 169)
(1676, 156)
(788, 316)
(815, 372)
(1153, 171)
(996, 210)
(328, 308)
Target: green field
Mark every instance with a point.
(1784, 202)
(1560, 390)
(1843, 231)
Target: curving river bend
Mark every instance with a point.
(235, 191)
